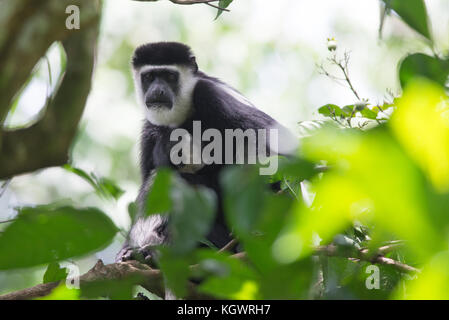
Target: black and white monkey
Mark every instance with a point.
(174, 94)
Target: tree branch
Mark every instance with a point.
(190, 2)
(153, 278)
(229, 246)
(47, 142)
(116, 271)
(183, 2)
(365, 255)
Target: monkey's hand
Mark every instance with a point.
(147, 255)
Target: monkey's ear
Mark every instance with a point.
(193, 64)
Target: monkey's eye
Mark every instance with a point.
(148, 77)
(160, 231)
(172, 77)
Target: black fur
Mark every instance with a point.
(162, 53)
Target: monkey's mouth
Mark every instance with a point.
(159, 104)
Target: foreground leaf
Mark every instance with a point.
(223, 4)
(159, 196)
(47, 234)
(54, 273)
(103, 186)
(421, 65)
(413, 12)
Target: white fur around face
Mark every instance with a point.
(182, 106)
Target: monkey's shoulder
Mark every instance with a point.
(216, 101)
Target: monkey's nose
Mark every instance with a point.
(160, 93)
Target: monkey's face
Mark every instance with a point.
(165, 92)
(160, 87)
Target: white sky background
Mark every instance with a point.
(267, 49)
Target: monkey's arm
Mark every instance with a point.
(145, 232)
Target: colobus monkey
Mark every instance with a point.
(174, 95)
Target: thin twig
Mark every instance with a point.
(4, 187)
(364, 255)
(184, 2)
(217, 7)
(229, 246)
(187, 2)
(344, 69)
(7, 221)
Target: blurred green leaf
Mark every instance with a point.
(245, 191)
(228, 278)
(192, 215)
(290, 281)
(413, 12)
(159, 196)
(103, 186)
(191, 218)
(368, 168)
(112, 289)
(54, 273)
(176, 271)
(295, 168)
(421, 124)
(348, 110)
(132, 211)
(431, 284)
(421, 65)
(256, 213)
(369, 114)
(47, 234)
(61, 292)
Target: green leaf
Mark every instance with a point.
(113, 289)
(47, 234)
(108, 187)
(222, 4)
(421, 125)
(133, 211)
(347, 110)
(287, 282)
(295, 168)
(226, 277)
(255, 213)
(192, 215)
(413, 12)
(331, 110)
(176, 271)
(159, 196)
(54, 273)
(368, 168)
(245, 192)
(61, 292)
(103, 186)
(191, 218)
(421, 65)
(369, 114)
